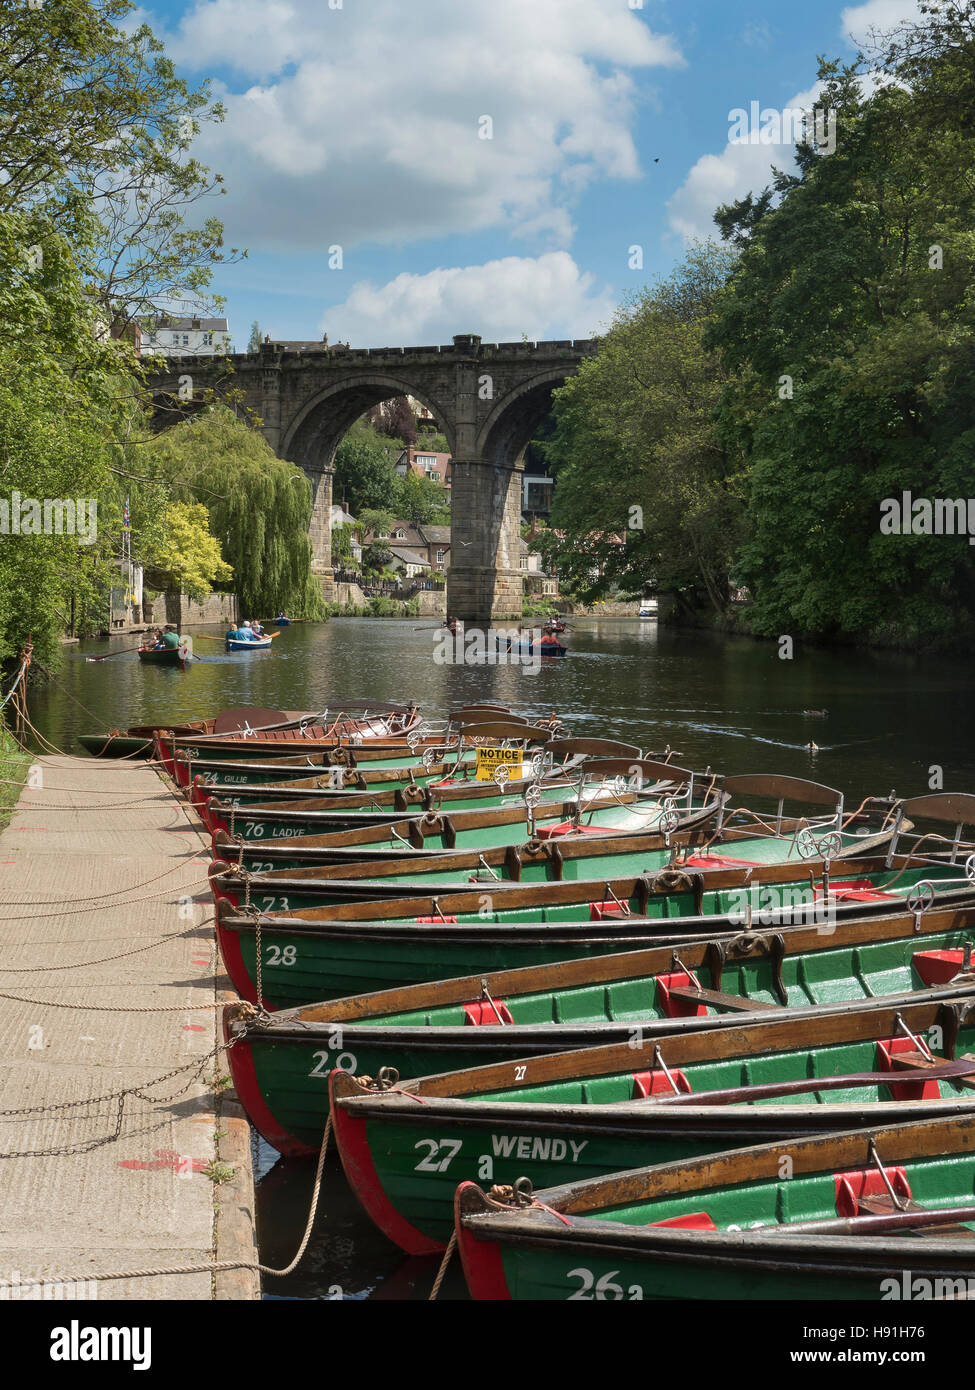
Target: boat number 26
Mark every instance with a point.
(602, 1288)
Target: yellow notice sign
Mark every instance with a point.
(490, 759)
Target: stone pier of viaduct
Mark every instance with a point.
(489, 400)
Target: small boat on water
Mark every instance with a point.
(879, 1214)
(575, 1116)
(648, 608)
(164, 656)
(251, 644)
(137, 741)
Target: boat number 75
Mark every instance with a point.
(439, 1154)
(604, 1288)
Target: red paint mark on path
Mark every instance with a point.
(166, 1158)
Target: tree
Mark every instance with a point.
(187, 558)
(254, 341)
(364, 474)
(259, 507)
(94, 132)
(644, 486)
(57, 409)
(422, 502)
(847, 330)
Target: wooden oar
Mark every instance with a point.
(108, 654)
(875, 1225)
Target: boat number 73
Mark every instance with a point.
(439, 1154)
(604, 1288)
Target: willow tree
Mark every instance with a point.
(259, 507)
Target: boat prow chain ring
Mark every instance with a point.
(413, 739)
(429, 757)
(830, 844)
(501, 775)
(970, 868)
(533, 796)
(668, 822)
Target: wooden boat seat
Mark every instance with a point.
(719, 999)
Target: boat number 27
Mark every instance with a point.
(602, 1288)
(439, 1154)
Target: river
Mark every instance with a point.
(730, 703)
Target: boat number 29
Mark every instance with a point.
(343, 1062)
(439, 1154)
(602, 1289)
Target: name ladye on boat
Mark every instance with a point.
(908, 515)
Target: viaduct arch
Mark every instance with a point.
(489, 400)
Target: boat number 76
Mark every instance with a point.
(604, 1288)
(439, 1154)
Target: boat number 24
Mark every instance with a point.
(603, 1288)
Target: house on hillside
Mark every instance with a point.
(425, 463)
(167, 336)
(430, 543)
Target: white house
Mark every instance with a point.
(186, 337)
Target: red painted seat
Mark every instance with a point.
(600, 912)
(851, 1188)
(937, 967)
(677, 1008)
(693, 1221)
(655, 1083)
(482, 1013)
(904, 1090)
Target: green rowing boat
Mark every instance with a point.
(836, 1216)
(281, 1062)
(573, 1116)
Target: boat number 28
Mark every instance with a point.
(280, 955)
(602, 1288)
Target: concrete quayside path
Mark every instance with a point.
(103, 927)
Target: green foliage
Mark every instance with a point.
(254, 341)
(188, 557)
(94, 130)
(879, 347)
(259, 507)
(56, 389)
(364, 474)
(644, 492)
(422, 502)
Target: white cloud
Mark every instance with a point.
(544, 297)
(361, 123)
(722, 178)
(858, 21)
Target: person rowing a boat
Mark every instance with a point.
(167, 640)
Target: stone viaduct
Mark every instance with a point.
(489, 400)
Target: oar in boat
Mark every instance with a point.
(119, 653)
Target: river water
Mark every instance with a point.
(730, 703)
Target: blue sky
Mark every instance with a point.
(359, 124)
